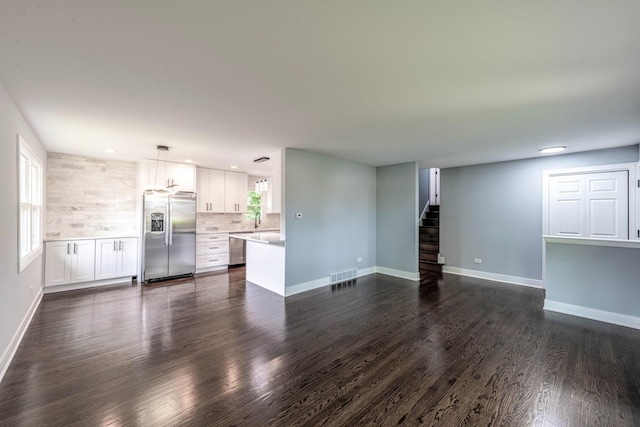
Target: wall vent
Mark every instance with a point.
(343, 276)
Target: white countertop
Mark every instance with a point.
(274, 238)
(247, 230)
(61, 238)
(616, 243)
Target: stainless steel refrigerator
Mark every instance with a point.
(169, 235)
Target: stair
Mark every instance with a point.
(430, 244)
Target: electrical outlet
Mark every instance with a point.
(359, 259)
(477, 260)
(298, 215)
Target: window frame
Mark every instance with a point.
(35, 248)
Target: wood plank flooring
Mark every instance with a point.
(219, 351)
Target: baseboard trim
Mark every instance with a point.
(593, 314)
(398, 273)
(85, 285)
(319, 283)
(10, 351)
(512, 280)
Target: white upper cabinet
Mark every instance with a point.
(235, 192)
(163, 174)
(210, 190)
(593, 205)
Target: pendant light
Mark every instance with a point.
(159, 189)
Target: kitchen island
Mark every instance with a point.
(265, 259)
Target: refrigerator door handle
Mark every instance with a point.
(170, 224)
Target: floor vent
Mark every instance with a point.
(343, 276)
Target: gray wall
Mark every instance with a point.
(423, 189)
(17, 290)
(397, 222)
(337, 199)
(593, 276)
(494, 211)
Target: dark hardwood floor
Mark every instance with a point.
(218, 351)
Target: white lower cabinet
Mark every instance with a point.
(116, 258)
(69, 261)
(76, 261)
(212, 250)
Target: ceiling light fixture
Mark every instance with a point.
(234, 167)
(109, 150)
(159, 189)
(261, 159)
(551, 150)
(188, 161)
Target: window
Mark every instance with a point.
(30, 201)
(254, 206)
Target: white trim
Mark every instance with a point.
(10, 351)
(305, 286)
(85, 285)
(592, 242)
(319, 283)
(513, 280)
(593, 314)
(398, 273)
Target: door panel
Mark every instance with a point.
(83, 261)
(182, 240)
(105, 259)
(156, 251)
(608, 205)
(567, 206)
(57, 263)
(216, 191)
(182, 254)
(127, 257)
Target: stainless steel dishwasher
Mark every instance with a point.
(237, 251)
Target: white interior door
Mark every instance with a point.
(567, 205)
(607, 195)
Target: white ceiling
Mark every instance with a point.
(381, 82)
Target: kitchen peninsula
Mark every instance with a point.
(265, 260)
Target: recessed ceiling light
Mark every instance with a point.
(188, 161)
(551, 150)
(109, 150)
(234, 167)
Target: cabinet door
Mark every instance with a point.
(567, 205)
(230, 192)
(216, 191)
(157, 173)
(106, 254)
(57, 263)
(183, 175)
(202, 190)
(83, 261)
(242, 187)
(127, 257)
(607, 215)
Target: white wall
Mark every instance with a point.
(18, 291)
(337, 200)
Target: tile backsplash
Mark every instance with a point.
(212, 222)
(90, 197)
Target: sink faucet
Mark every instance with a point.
(256, 221)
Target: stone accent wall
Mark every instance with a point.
(90, 197)
(210, 222)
